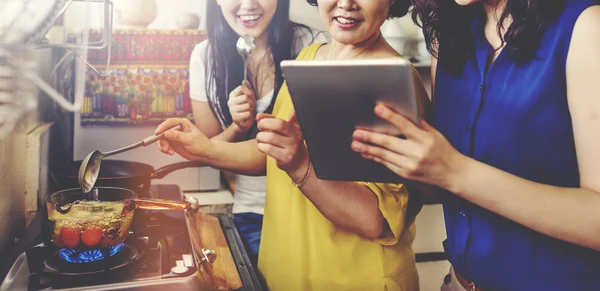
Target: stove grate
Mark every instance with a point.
(90, 255)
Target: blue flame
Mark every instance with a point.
(87, 256)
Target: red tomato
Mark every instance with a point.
(70, 236)
(91, 236)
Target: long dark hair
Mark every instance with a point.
(225, 70)
(448, 25)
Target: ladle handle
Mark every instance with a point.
(160, 204)
(154, 138)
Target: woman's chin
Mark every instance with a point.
(347, 38)
(467, 2)
(254, 31)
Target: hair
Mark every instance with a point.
(447, 28)
(399, 8)
(225, 71)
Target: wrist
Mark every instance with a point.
(298, 173)
(298, 183)
(238, 129)
(455, 180)
(210, 153)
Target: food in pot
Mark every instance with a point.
(70, 236)
(91, 236)
(93, 224)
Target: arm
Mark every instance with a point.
(204, 117)
(192, 144)
(569, 214)
(209, 125)
(347, 204)
(241, 157)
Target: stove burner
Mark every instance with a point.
(77, 262)
(88, 256)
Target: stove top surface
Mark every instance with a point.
(157, 252)
(158, 255)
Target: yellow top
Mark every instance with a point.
(302, 250)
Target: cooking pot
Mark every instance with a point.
(117, 173)
(98, 219)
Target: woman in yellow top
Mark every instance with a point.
(317, 234)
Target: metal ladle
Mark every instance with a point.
(90, 166)
(245, 47)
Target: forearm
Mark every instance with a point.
(570, 214)
(241, 157)
(348, 205)
(233, 133)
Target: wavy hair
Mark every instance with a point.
(447, 25)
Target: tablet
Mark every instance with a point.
(333, 98)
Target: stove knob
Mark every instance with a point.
(180, 268)
(188, 260)
(208, 256)
(195, 205)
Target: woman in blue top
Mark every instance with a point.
(514, 145)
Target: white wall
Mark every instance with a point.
(303, 13)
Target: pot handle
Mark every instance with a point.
(208, 256)
(162, 172)
(160, 204)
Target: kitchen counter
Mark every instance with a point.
(216, 232)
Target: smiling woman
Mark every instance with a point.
(334, 235)
(344, 19)
(514, 142)
(248, 17)
(223, 107)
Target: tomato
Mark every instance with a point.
(91, 236)
(70, 236)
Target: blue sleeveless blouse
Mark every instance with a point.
(515, 118)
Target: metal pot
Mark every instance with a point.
(98, 219)
(117, 173)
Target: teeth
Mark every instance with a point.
(249, 17)
(345, 21)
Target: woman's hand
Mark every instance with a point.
(242, 106)
(424, 156)
(189, 143)
(283, 140)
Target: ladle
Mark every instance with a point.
(90, 166)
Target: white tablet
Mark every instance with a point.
(333, 98)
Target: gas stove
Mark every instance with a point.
(158, 254)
